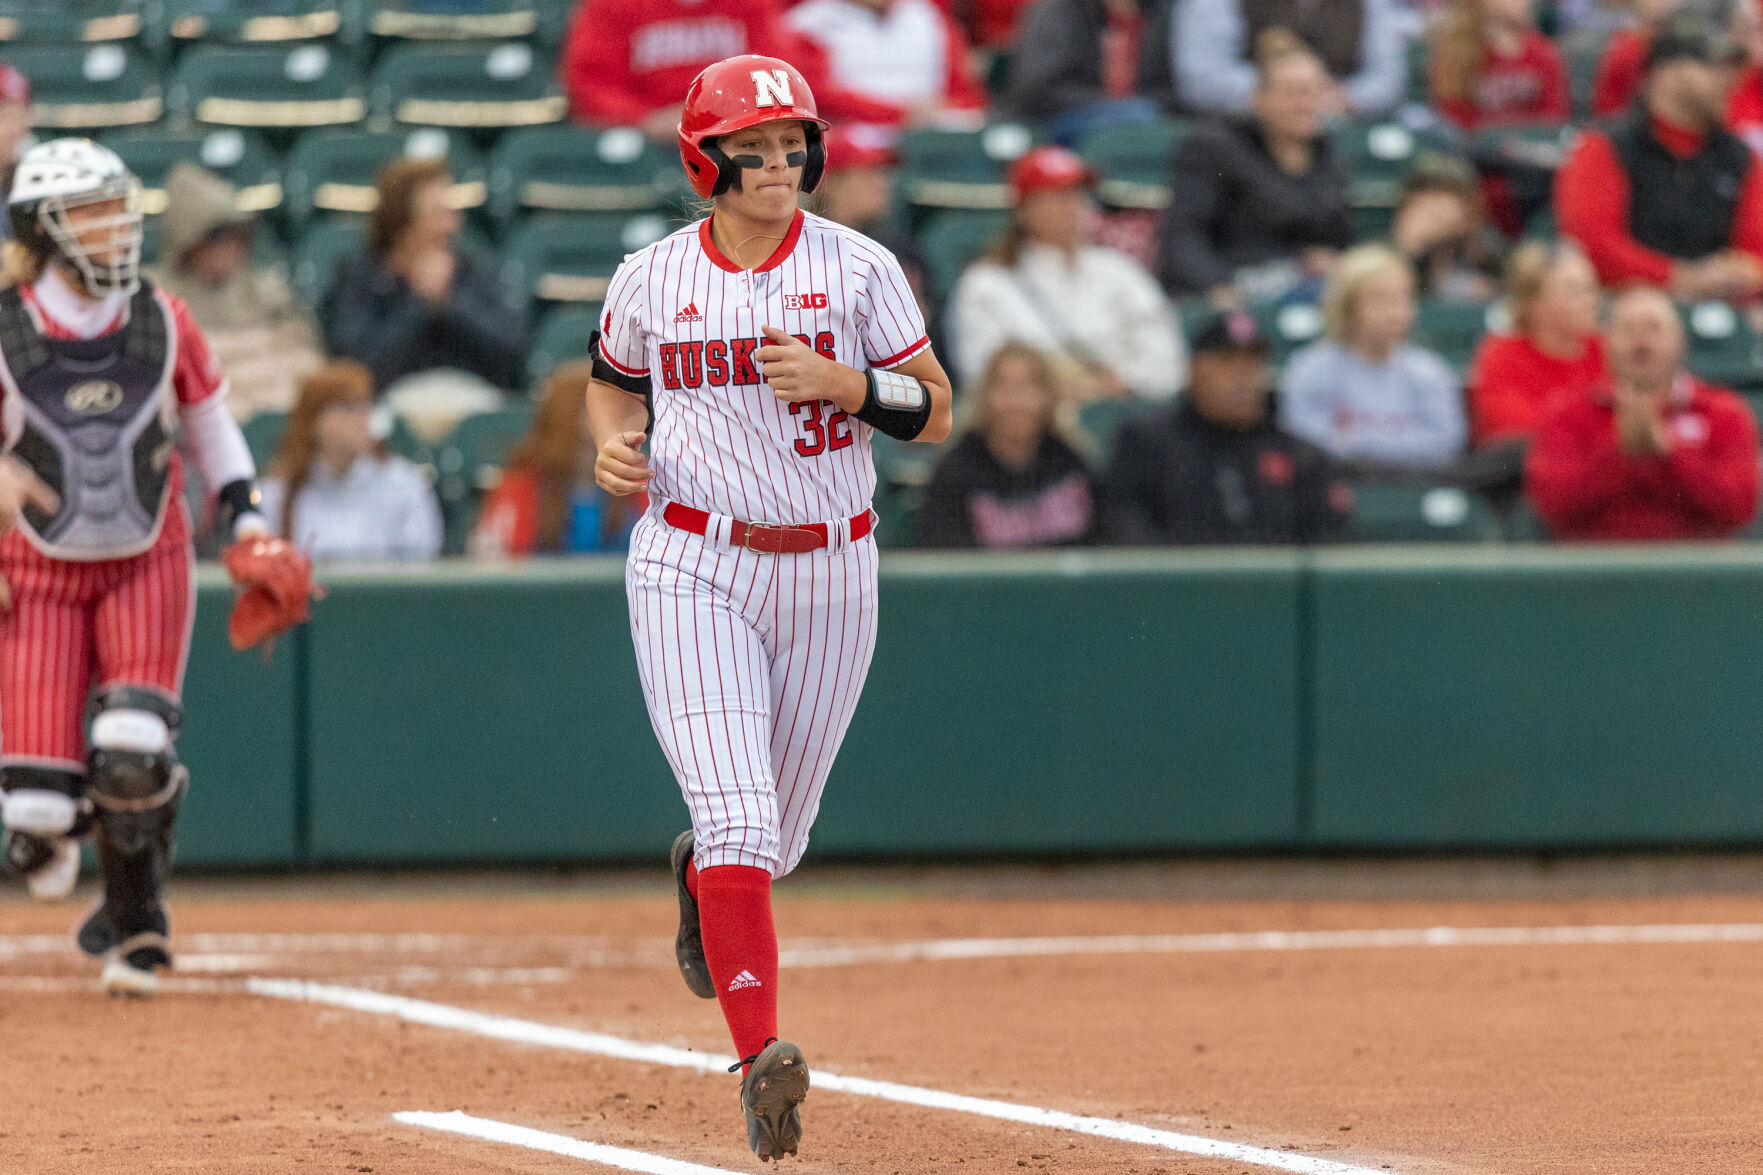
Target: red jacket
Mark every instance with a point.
(1511, 382)
(1744, 110)
(1620, 72)
(1591, 205)
(627, 58)
(1530, 86)
(1585, 487)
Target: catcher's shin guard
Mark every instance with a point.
(135, 783)
(45, 813)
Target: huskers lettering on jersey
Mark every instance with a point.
(692, 321)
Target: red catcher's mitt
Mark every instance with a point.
(275, 585)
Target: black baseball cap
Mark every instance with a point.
(1687, 37)
(1231, 330)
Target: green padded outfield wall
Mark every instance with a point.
(1533, 697)
(1031, 703)
(238, 740)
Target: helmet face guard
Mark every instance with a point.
(106, 250)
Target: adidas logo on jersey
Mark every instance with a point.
(744, 979)
(689, 314)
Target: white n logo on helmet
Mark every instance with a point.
(771, 87)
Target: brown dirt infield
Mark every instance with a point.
(1494, 1060)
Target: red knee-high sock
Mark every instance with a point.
(740, 945)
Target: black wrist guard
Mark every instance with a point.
(895, 404)
(236, 498)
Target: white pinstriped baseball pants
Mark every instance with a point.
(751, 666)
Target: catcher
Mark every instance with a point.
(99, 374)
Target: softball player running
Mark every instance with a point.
(98, 374)
(757, 351)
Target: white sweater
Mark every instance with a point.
(378, 512)
(1102, 300)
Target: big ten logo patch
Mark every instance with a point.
(805, 302)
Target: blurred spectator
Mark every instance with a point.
(1108, 328)
(1439, 227)
(1489, 67)
(1668, 196)
(1214, 467)
(1260, 204)
(1653, 453)
(334, 492)
(1744, 108)
(1553, 348)
(257, 330)
(1365, 394)
(1359, 43)
(1077, 66)
(628, 62)
(1009, 480)
(415, 302)
(991, 24)
(891, 63)
(1624, 64)
(857, 189)
(547, 502)
(15, 129)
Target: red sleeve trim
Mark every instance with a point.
(909, 352)
(621, 367)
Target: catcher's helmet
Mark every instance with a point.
(60, 174)
(737, 93)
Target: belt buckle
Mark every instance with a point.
(754, 530)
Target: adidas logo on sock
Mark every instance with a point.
(744, 979)
(689, 314)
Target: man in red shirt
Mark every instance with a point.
(627, 62)
(1668, 196)
(1653, 453)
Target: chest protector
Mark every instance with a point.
(1681, 207)
(98, 428)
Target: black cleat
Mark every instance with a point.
(688, 945)
(771, 1098)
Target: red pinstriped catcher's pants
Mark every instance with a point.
(75, 626)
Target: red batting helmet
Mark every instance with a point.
(737, 93)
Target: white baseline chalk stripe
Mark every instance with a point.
(575, 1040)
(1269, 940)
(491, 1130)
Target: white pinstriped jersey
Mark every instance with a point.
(684, 315)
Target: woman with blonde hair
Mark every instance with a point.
(547, 502)
(1365, 394)
(334, 491)
(1010, 480)
(1553, 346)
(1489, 66)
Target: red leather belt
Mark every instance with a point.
(766, 540)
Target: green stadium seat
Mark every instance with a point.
(256, 21)
(89, 87)
(1422, 514)
(1135, 161)
(1378, 155)
(1541, 146)
(241, 156)
(1102, 420)
(902, 471)
(1289, 327)
(468, 464)
(1583, 51)
(954, 240)
(334, 170)
(70, 21)
(504, 84)
(556, 257)
(960, 169)
(263, 433)
(452, 20)
(1453, 329)
(561, 337)
(1724, 347)
(567, 168)
(302, 85)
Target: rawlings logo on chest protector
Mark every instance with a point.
(94, 397)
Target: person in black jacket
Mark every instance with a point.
(1083, 64)
(1010, 481)
(1214, 467)
(414, 301)
(1259, 205)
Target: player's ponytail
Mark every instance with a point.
(20, 265)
